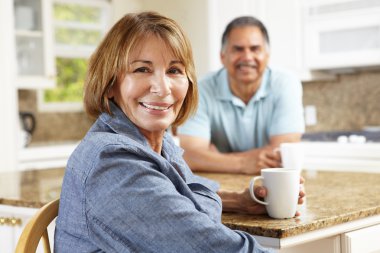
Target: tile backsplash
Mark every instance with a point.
(349, 102)
(54, 127)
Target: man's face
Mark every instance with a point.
(245, 55)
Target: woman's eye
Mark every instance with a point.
(141, 70)
(175, 71)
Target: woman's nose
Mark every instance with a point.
(160, 85)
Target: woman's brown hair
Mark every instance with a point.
(109, 62)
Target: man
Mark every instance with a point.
(246, 109)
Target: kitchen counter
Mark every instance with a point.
(333, 198)
(30, 188)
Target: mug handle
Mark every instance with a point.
(251, 191)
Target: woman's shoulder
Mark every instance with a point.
(97, 147)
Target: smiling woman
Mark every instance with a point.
(127, 181)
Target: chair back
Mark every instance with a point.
(37, 229)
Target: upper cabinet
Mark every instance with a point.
(341, 34)
(34, 41)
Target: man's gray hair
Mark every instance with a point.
(242, 22)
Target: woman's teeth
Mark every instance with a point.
(155, 107)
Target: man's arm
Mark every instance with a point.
(202, 156)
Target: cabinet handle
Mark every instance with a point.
(12, 221)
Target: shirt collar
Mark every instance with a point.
(225, 92)
(122, 125)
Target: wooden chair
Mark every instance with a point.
(37, 228)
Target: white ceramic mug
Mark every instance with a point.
(292, 156)
(282, 191)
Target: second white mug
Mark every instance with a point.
(292, 156)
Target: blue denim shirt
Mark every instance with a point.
(118, 195)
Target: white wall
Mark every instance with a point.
(8, 105)
(193, 18)
(191, 15)
(203, 21)
(283, 21)
(122, 7)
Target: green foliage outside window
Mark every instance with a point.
(76, 26)
(70, 77)
(77, 37)
(76, 13)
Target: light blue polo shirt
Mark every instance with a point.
(233, 126)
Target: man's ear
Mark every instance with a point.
(222, 55)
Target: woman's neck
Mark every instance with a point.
(154, 139)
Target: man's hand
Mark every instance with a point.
(254, 160)
(203, 156)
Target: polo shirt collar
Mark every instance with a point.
(225, 92)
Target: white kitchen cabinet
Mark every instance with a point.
(358, 236)
(35, 66)
(364, 240)
(285, 23)
(12, 222)
(342, 34)
(326, 245)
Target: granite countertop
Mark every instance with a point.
(31, 188)
(332, 198)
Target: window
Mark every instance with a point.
(79, 26)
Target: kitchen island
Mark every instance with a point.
(341, 214)
(342, 209)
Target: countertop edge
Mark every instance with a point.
(297, 230)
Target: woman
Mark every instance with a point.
(126, 186)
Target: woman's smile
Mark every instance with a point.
(156, 106)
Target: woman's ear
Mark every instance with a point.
(111, 88)
(110, 93)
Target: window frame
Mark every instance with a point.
(73, 52)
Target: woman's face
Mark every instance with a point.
(154, 86)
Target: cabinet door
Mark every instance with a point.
(12, 223)
(326, 245)
(6, 237)
(364, 240)
(33, 37)
(11, 226)
(342, 34)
